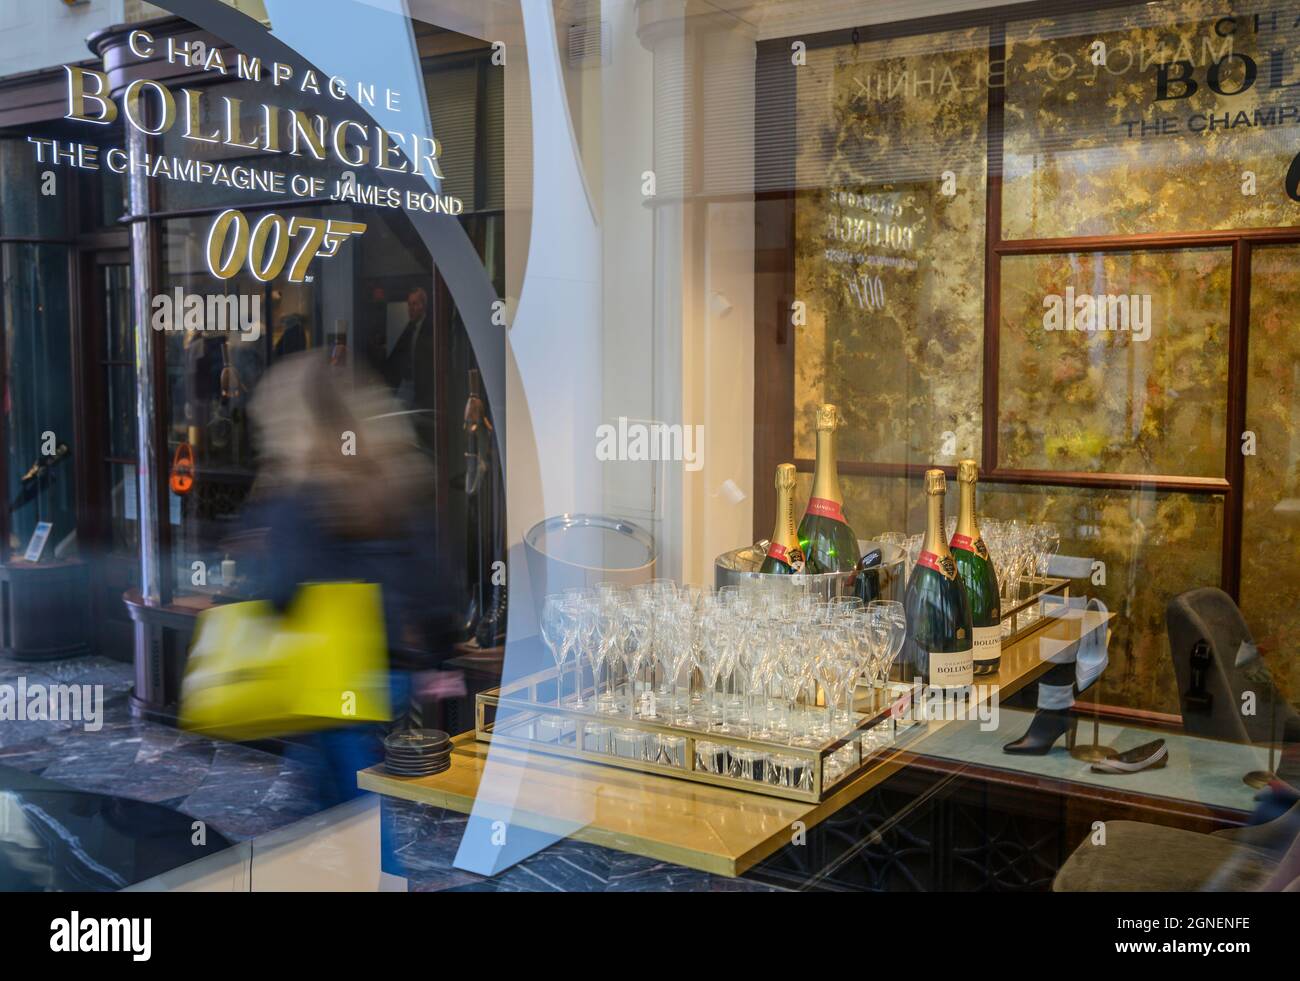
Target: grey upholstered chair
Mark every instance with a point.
(1209, 615)
(1141, 857)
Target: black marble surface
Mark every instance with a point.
(55, 839)
(239, 791)
(423, 841)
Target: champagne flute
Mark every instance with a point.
(889, 625)
(555, 626)
(636, 649)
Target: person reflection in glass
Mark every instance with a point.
(408, 369)
(323, 515)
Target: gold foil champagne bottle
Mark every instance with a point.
(828, 543)
(784, 553)
(976, 571)
(938, 645)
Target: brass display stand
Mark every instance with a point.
(1094, 751)
(1259, 779)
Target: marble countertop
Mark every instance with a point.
(240, 791)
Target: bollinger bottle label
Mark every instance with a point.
(793, 557)
(945, 566)
(987, 643)
(954, 669)
(826, 508)
(975, 546)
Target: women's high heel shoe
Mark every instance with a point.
(1046, 727)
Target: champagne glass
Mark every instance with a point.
(832, 668)
(760, 676)
(843, 606)
(636, 649)
(733, 639)
(585, 624)
(1049, 541)
(713, 642)
(862, 651)
(679, 651)
(606, 613)
(889, 628)
(556, 629)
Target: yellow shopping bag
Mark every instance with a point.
(253, 673)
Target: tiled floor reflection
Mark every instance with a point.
(240, 791)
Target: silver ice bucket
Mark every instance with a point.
(740, 566)
(580, 550)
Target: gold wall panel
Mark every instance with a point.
(1109, 401)
(1270, 582)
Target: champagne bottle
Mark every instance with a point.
(976, 571)
(938, 646)
(784, 554)
(828, 543)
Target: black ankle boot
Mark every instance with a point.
(1047, 726)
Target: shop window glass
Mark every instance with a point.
(24, 210)
(355, 308)
(1151, 399)
(1270, 586)
(1110, 149)
(38, 395)
(211, 377)
(118, 366)
(889, 224)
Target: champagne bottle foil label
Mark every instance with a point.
(955, 669)
(793, 557)
(975, 546)
(827, 509)
(945, 566)
(988, 643)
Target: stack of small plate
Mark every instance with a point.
(417, 752)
